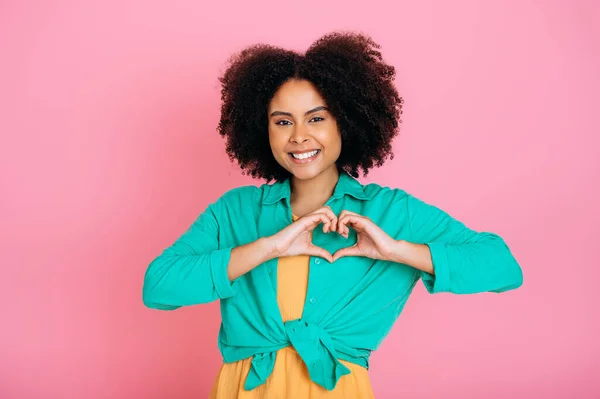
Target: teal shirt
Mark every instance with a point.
(351, 304)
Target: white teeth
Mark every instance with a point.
(305, 155)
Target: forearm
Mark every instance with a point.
(415, 255)
(174, 279)
(487, 265)
(246, 257)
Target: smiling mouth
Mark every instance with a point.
(304, 157)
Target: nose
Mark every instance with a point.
(300, 134)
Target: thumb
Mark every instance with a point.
(348, 251)
(318, 251)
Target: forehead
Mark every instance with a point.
(296, 95)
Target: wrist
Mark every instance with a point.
(414, 255)
(400, 251)
(267, 248)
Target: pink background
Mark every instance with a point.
(109, 150)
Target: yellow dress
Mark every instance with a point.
(290, 377)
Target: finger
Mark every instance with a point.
(313, 250)
(350, 213)
(314, 220)
(344, 231)
(343, 220)
(330, 214)
(327, 225)
(341, 227)
(320, 218)
(356, 221)
(349, 251)
(347, 212)
(332, 217)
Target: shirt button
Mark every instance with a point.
(317, 261)
(312, 300)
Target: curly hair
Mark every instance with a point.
(348, 71)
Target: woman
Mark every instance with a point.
(313, 269)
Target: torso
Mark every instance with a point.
(290, 378)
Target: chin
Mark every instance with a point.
(309, 173)
(305, 174)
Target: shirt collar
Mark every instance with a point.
(346, 185)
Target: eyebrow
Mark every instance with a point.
(319, 108)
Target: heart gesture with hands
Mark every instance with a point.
(296, 239)
(371, 241)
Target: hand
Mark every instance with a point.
(372, 242)
(296, 238)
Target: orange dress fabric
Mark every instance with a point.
(290, 378)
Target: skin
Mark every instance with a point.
(299, 122)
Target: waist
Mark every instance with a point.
(291, 351)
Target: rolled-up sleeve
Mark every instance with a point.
(193, 270)
(465, 261)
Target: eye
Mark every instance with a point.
(317, 119)
(283, 122)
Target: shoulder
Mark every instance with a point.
(399, 199)
(385, 195)
(246, 195)
(235, 204)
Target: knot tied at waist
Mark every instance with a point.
(316, 350)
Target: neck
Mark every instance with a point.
(308, 195)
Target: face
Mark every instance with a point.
(303, 134)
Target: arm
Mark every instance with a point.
(454, 258)
(194, 270)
